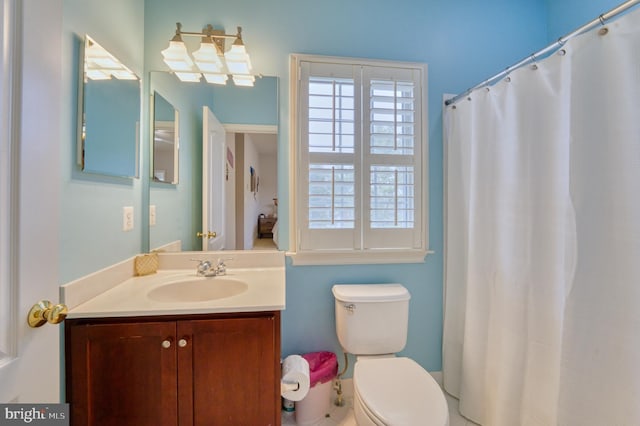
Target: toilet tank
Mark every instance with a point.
(371, 318)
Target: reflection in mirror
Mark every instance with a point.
(165, 146)
(109, 114)
(249, 117)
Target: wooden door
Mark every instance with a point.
(235, 371)
(122, 374)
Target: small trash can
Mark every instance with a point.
(323, 368)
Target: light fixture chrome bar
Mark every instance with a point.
(217, 36)
(212, 35)
(184, 33)
(600, 20)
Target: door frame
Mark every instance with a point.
(9, 146)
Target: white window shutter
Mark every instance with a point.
(360, 157)
(329, 190)
(392, 139)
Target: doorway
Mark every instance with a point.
(251, 184)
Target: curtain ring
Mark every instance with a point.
(602, 19)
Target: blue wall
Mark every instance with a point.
(247, 105)
(568, 15)
(111, 111)
(91, 235)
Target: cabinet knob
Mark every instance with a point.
(182, 343)
(166, 343)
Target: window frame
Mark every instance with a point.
(297, 181)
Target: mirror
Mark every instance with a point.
(108, 114)
(249, 117)
(164, 165)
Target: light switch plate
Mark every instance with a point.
(127, 218)
(152, 215)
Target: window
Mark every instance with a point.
(359, 160)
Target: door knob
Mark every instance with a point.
(45, 311)
(207, 235)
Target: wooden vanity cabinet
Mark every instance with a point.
(221, 369)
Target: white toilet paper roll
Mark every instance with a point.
(295, 378)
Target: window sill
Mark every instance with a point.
(350, 257)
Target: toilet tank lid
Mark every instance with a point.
(370, 292)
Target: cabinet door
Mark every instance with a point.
(234, 365)
(122, 374)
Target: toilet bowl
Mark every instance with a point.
(397, 391)
(372, 323)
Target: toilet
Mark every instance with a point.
(371, 323)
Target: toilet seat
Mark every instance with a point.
(398, 391)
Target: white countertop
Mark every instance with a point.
(129, 297)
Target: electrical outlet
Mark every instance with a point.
(127, 218)
(152, 215)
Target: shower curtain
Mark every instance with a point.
(542, 269)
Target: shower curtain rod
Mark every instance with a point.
(600, 20)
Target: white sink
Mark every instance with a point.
(198, 290)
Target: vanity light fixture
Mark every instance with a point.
(102, 65)
(210, 60)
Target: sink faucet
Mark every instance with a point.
(206, 269)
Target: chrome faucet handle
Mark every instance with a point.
(221, 267)
(203, 266)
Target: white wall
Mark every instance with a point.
(268, 183)
(230, 195)
(251, 204)
(242, 217)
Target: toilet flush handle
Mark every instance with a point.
(350, 307)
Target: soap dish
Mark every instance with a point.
(146, 264)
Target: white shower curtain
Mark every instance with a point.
(542, 297)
